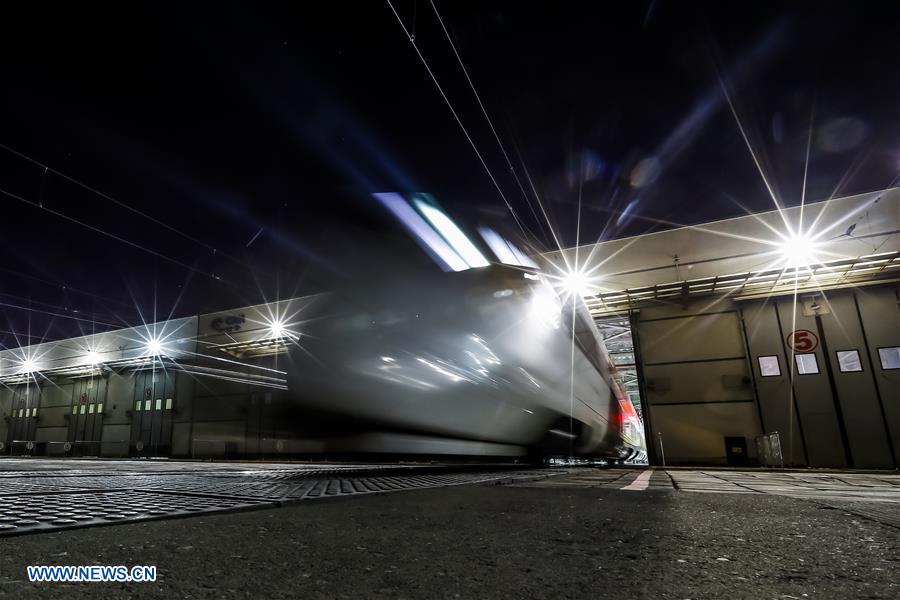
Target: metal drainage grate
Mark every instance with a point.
(35, 513)
(29, 486)
(53, 504)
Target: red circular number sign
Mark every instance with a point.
(802, 340)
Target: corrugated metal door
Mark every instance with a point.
(154, 402)
(23, 417)
(86, 419)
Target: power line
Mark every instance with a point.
(48, 169)
(17, 335)
(82, 314)
(456, 116)
(64, 286)
(484, 111)
(61, 315)
(110, 235)
(540, 204)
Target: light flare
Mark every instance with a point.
(277, 329)
(799, 250)
(576, 282)
(154, 346)
(545, 307)
(28, 365)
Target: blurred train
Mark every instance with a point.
(480, 357)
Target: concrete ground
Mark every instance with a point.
(581, 534)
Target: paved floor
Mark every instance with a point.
(580, 533)
(871, 495)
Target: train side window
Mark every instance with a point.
(890, 357)
(848, 361)
(807, 364)
(768, 366)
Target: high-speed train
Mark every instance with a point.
(481, 356)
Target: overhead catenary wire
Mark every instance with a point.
(440, 89)
(41, 205)
(82, 314)
(484, 111)
(541, 205)
(16, 335)
(60, 315)
(50, 170)
(65, 287)
(111, 235)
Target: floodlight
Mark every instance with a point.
(154, 346)
(576, 283)
(798, 250)
(277, 329)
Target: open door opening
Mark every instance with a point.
(617, 337)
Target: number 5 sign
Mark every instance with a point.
(802, 340)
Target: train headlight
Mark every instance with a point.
(545, 307)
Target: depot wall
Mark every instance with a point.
(703, 380)
(129, 414)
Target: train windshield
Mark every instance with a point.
(506, 251)
(445, 241)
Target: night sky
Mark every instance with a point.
(235, 144)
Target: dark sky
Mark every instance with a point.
(203, 125)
